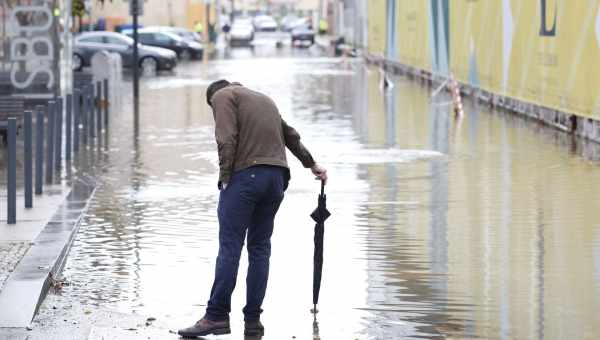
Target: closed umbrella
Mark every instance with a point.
(319, 215)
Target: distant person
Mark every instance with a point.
(199, 28)
(226, 29)
(253, 175)
(323, 26)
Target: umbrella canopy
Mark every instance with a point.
(319, 215)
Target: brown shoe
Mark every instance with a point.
(254, 328)
(205, 327)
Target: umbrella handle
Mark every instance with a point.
(322, 187)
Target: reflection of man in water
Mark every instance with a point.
(253, 175)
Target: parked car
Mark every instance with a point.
(171, 41)
(303, 33)
(151, 59)
(297, 23)
(265, 23)
(287, 21)
(186, 34)
(241, 33)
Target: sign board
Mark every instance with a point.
(136, 7)
(30, 43)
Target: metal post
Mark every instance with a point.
(12, 172)
(39, 150)
(92, 111)
(106, 103)
(50, 142)
(76, 119)
(58, 112)
(136, 62)
(68, 127)
(28, 155)
(84, 118)
(99, 110)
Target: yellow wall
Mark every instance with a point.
(376, 23)
(476, 41)
(412, 33)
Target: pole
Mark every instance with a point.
(39, 150)
(12, 172)
(136, 76)
(106, 103)
(206, 33)
(99, 110)
(69, 127)
(50, 143)
(84, 115)
(92, 116)
(58, 111)
(76, 118)
(28, 166)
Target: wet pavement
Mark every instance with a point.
(481, 227)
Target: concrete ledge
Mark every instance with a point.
(28, 285)
(569, 122)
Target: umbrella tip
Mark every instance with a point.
(314, 310)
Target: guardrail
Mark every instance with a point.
(81, 118)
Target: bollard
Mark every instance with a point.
(99, 110)
(39, 150)
(76, 118)
(92, 111)
(84, 116)
(68, 127)
(106, 103)
(11, 216)
(28, 155)
(58, 128)
(50, 142)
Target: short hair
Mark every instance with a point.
(213, 88)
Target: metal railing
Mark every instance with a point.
(84, 120)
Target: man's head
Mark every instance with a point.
(213, 88)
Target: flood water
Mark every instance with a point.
(480, 227)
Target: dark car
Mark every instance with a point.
(185, 49)
(185, 33)
(303, 33)
(151, 59)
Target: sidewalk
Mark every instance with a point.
(34, 248)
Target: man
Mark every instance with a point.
(253, 175)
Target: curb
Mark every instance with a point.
(27, 286)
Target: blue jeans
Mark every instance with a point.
(249, 203)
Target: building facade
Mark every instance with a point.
(179, 13)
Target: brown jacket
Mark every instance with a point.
(250, 131)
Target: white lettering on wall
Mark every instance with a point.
(23, 43)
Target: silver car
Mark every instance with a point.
(241, 33)
(151, 59)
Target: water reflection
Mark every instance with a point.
(483, 226)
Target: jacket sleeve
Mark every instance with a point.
(292, 142)
(226, 133)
